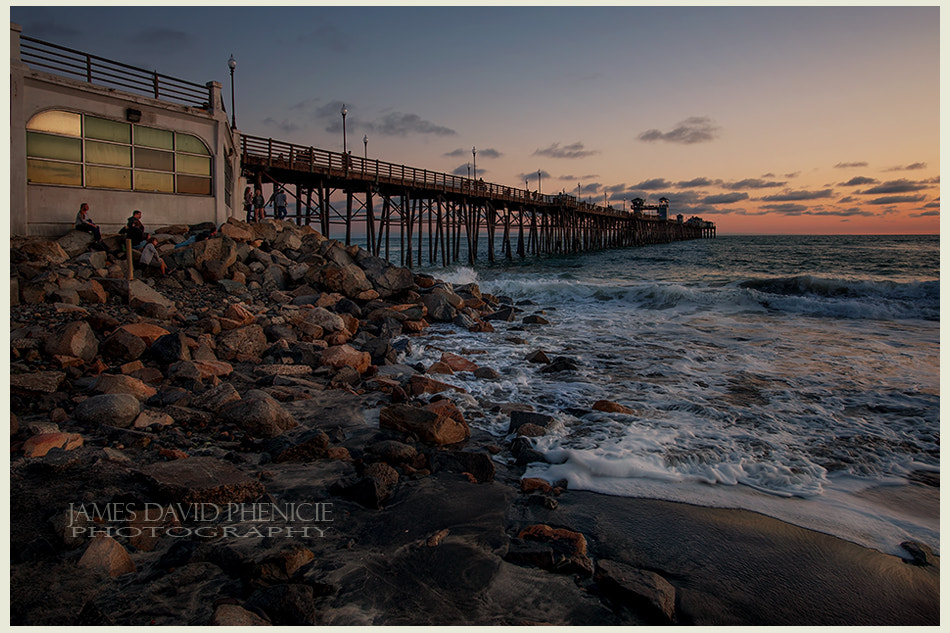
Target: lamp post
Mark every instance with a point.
(232, 64)
(365, 141)
(474, 168)
(343, 112)
(539, 182)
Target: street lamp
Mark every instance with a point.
(343, 112)
(539, 182)
(232, 64)
(365, 141)
(474, 168)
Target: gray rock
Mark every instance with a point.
(112, 409)
(74, 339)
(258, 414)
(638, 588)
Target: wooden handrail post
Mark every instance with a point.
(128, 250)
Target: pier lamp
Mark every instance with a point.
(474, 168)
(539, 182)
(365, 141)
(232, 64)
(343, 112)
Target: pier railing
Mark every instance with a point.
(272, 153)
(105, 72)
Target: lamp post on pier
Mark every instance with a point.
(539, 182)
(343, 112)
(474, 168)
(232, 64)
(365, 141)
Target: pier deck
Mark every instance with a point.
(384, 198)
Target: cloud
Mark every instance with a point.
(792, 196)
(859, 180)
(752, 183)
(573, 178)
(481, 153)
(654, 184)
(850, 165)
(897, 199)
(785, 208)
(895, 186)
(726, 198)
(532, 177)
(402, 124)
(574, 150)
(695, 182)
(696, 129)
(910, 167)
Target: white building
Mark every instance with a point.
(87, 129)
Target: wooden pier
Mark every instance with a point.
(396, 202)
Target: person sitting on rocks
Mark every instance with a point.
(135, 230)
(150, 256)
(83, 223)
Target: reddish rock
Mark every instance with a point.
(39, 445)
(611, 407)
(442, 426)
(340, 453)
(419, 384)
(340, 356)
(117, 383)
(530, 484)
(238, 313)
(148, 332)
(105, 554)
(440, 367)
(568, 549)
(148, 418)
(235, 615)
(202, 480)
(458, 363)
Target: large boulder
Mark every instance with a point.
(339, 356)
(258, 414)
(349, 281)
(74, 339)
(242, 344)
(387, 280)
(202, 480)
(439, 426)
(638, 588)
(119, 409)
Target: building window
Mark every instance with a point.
(81, 150)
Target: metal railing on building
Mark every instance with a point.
(97, 70)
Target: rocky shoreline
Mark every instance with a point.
(238, 442)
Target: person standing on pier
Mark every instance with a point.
(258, 205)
(248, 205)
(279, 198)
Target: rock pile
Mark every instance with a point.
(226, 382)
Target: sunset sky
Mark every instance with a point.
(761, 119)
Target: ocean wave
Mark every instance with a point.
(858, 299)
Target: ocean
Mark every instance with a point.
(795, 376)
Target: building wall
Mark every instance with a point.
(39, 209)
